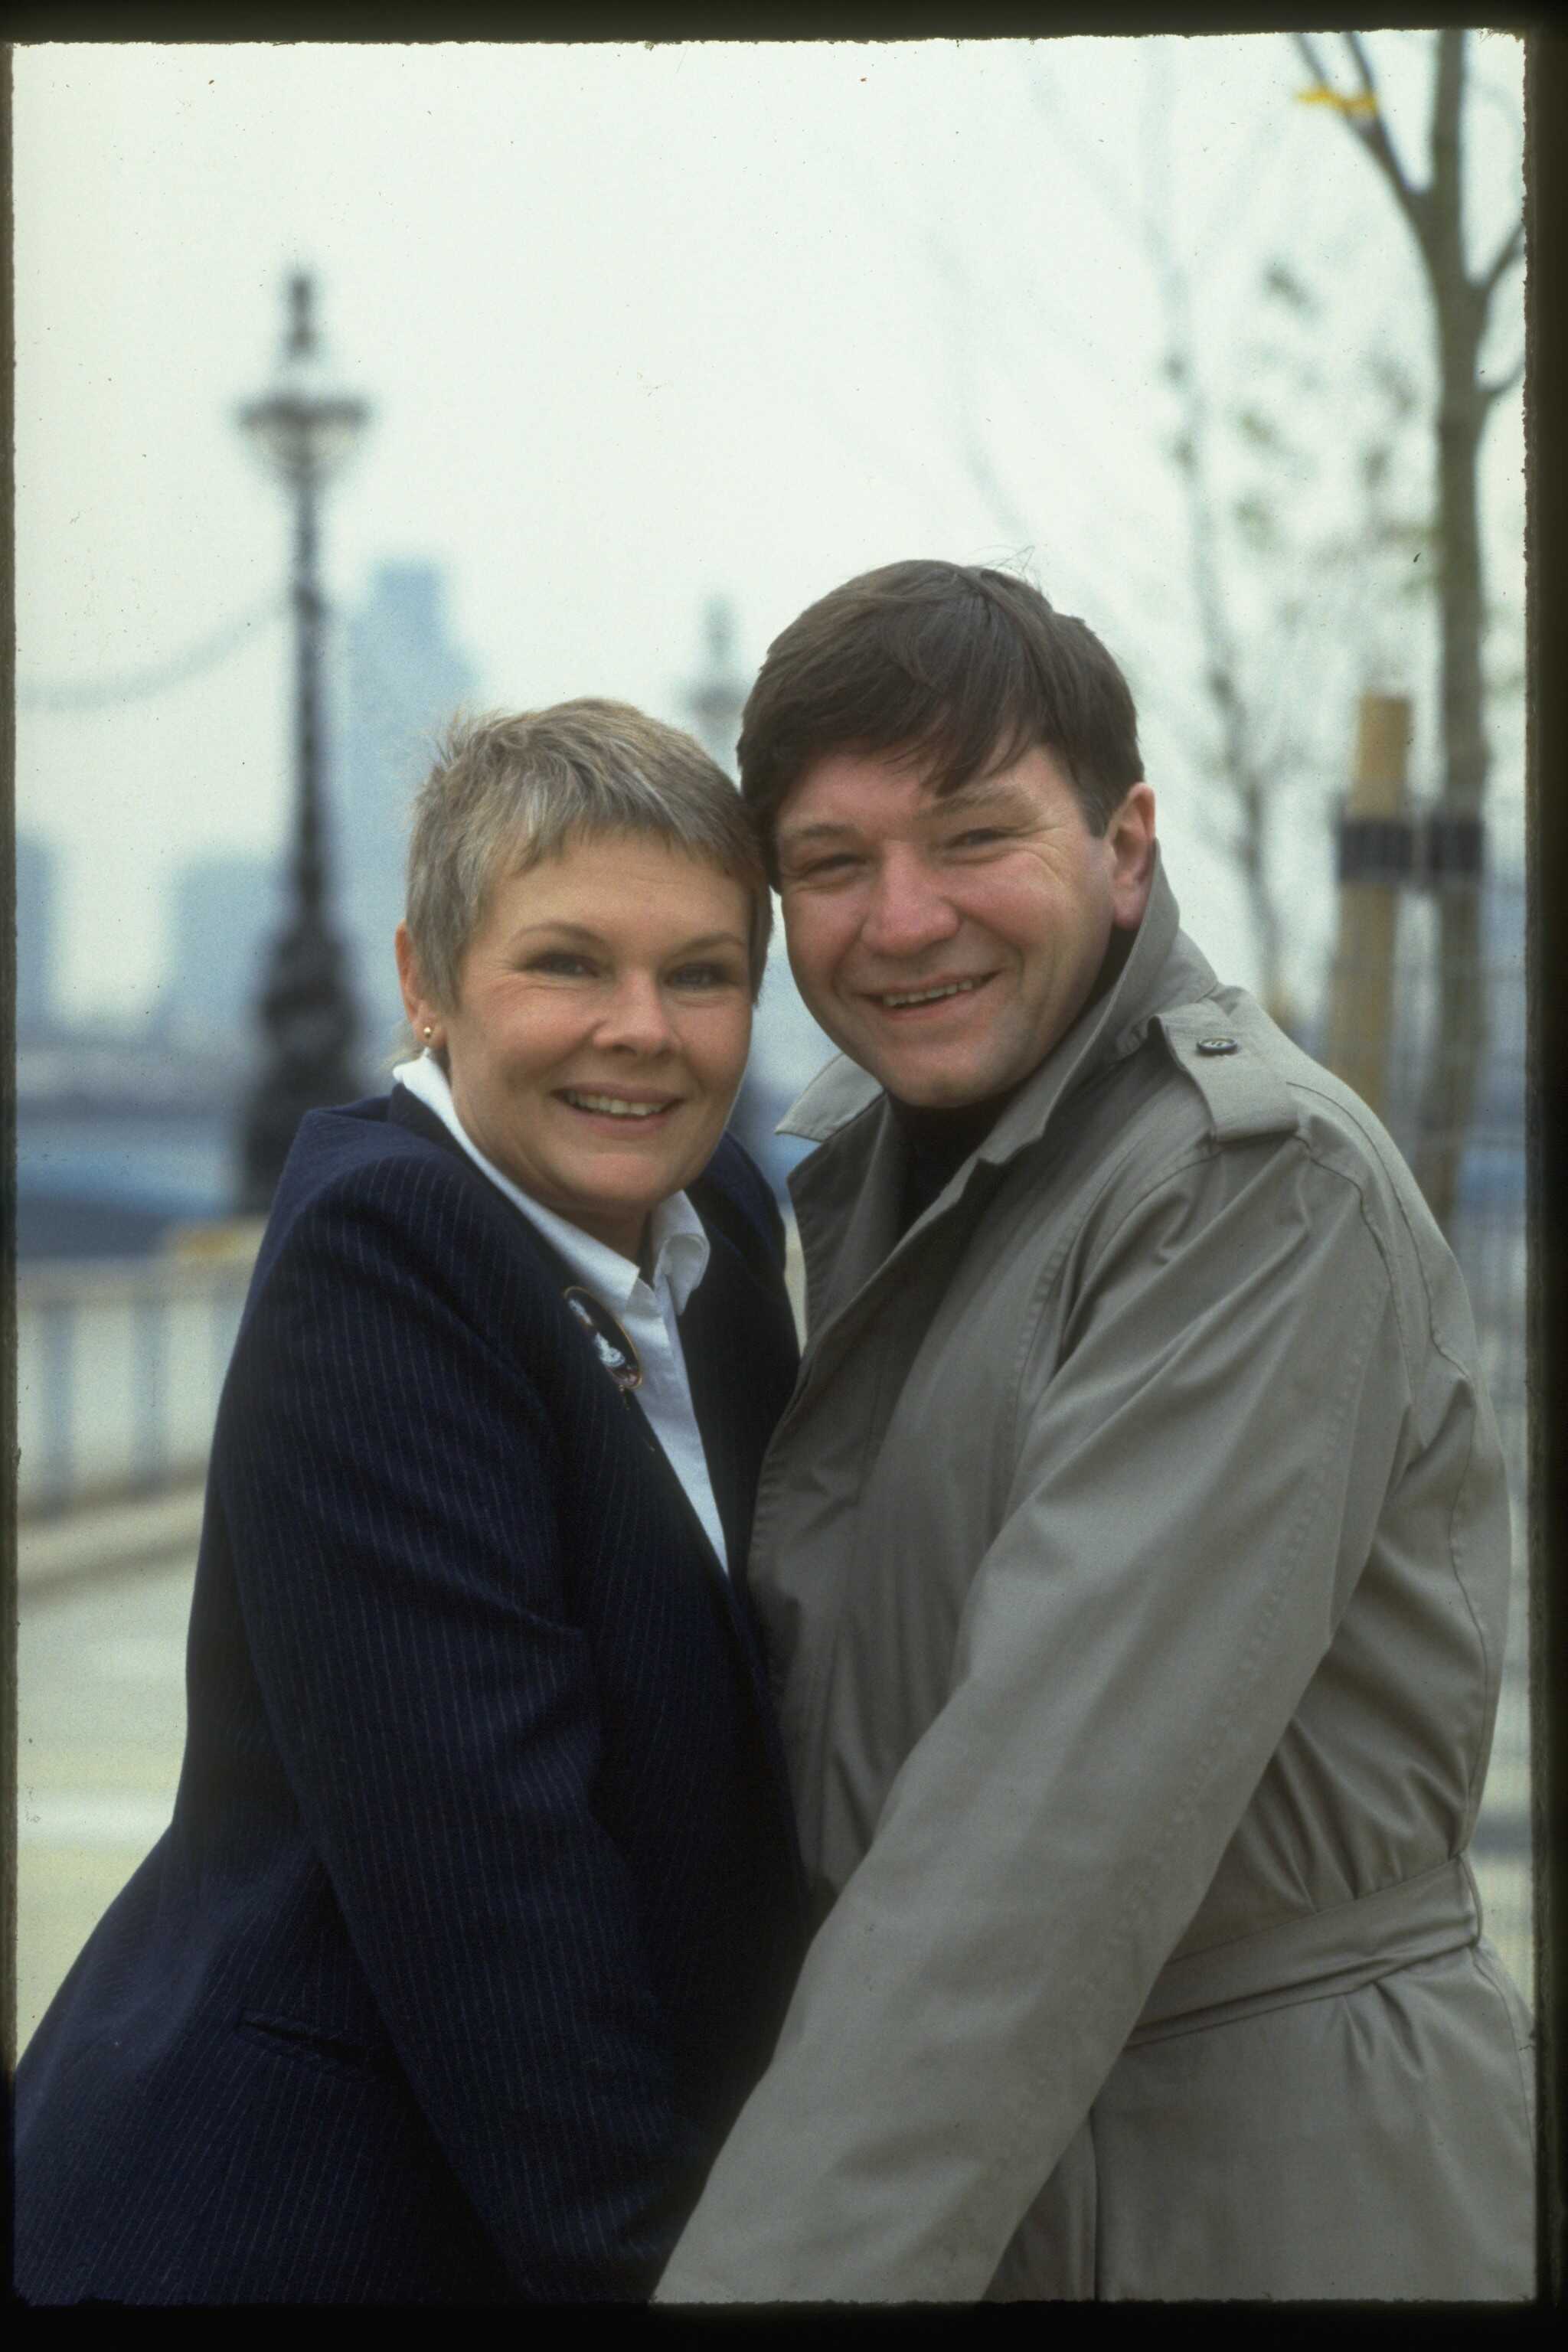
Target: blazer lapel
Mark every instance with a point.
(740, 1364)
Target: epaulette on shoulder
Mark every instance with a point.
(1228, 1061)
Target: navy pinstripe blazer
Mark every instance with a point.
(481, 1904)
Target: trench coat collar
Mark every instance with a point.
(1164, 969)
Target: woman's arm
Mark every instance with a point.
(393, 1491)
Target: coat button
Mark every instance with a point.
(1218, 1045)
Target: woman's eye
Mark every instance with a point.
(559, 960)
(702, 975)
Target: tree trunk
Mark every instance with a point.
(1434, 215)
(1459, 1037)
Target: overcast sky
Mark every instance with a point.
(640, 325)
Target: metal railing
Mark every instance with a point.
(120, 1363)
(1399, 1036)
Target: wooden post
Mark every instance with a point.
(1376, 854)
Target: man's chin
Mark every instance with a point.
(933, 1089)
(920, 1081)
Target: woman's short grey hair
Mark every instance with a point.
(509, 789)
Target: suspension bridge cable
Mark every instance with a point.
(102, 693)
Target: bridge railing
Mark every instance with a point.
(118, 1366)
(120, 1363)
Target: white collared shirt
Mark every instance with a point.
(645, 1311)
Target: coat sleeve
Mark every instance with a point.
(1196, 1487)
(391, 1486)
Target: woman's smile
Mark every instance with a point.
(617, 1105)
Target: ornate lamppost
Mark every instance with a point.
(304, 430)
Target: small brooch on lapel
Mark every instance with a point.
(611, 1344)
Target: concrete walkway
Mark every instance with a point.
(102, 1538)
(100, 1720)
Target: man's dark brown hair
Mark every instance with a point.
(959, 669)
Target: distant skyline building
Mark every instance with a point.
(715, 701)
(38, 927)
(404, 677)
(225, 909)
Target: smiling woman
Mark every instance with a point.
(600, 1027)
(481, 1902)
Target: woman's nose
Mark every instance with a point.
(637, 1019)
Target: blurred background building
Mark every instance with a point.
(222, 911)
(402, 676)
(787, 1046)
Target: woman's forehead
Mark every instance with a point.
(624, 879)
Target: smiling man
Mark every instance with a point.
(1134, 1556)
(947, 993)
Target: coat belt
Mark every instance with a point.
(1310, 1958)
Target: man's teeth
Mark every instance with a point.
(616, 1105)
(930, 995)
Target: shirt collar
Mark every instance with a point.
(679, 1245)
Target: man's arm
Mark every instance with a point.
(1197, 1486)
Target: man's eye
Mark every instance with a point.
(839, 863)
(979, 836)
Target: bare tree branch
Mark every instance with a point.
(1362, 64)
(1506, 254)
(1371, 131)
(1231, 714)
(1505, 383)
(1313, 62)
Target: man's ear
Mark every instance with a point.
(1129, 840)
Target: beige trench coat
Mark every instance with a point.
(1135, 1557)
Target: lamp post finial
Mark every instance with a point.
(301, 338)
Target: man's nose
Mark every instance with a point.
(637, 1019)
(908, 911)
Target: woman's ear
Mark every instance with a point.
(423, 1017)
